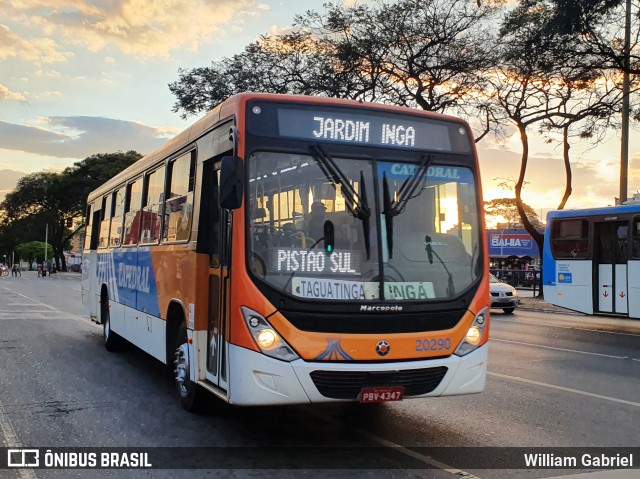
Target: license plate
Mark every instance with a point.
(381, 394)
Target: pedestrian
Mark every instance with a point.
(50, 268)
(39, 270)
(14, 271)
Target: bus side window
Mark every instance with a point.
(132, 213)
(178, 210)
(105, 218)
(88, 223)
(636, 237)
(95, 231)
(209, 227)
(570, 239)
(117, 216)
(152, 197)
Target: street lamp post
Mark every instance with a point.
(46, 243)
(624, 149)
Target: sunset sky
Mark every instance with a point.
(79, 77)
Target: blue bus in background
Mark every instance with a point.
(591, 260)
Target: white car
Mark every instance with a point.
(503, 295)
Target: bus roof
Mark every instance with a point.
(605, 210)
(226, 109)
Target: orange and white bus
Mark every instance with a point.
(291, 249)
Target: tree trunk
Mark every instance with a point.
(63, 262)
(535, 234)
(567, 167)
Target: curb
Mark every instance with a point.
(540, 310)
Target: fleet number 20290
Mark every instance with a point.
(433, 344)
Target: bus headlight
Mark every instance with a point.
(267, 339)
(475, 335)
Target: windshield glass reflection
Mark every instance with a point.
(309, 239)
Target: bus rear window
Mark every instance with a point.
(570, 239)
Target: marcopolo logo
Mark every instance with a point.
(23, 458)
(383, 347)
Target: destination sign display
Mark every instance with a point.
(358, 126)
(289, 260)
(340, 290)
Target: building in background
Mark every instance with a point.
(512, 250)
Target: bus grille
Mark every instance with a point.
(347, 384)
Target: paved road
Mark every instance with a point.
(551, 383)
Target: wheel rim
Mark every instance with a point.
(182, 369)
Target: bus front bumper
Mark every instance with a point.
(257, 379)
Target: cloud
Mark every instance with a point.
(82, 136)
(6, 94)
(38, 50)
(593, 182)
(8, 180)
(144, 28)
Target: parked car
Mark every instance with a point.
(75, 268)
(503, 295)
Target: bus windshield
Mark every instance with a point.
(425, 250)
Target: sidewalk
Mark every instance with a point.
(571, 319)
(538, 304)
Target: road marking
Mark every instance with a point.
(11, 440)
(615, 474)
(22, 295)
(433, 463)
(13, 311)
(561, 349)
(32, 304)
(562, 388)
(510, 321)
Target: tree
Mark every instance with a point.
(294, 63)
(34, 251)
(56, 199)
(431, 54)
(591, 30)
(582, 98)
(504, 210)
(85, 176)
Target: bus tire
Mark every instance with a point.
(508, 310)
(112, 341)
(191, 395)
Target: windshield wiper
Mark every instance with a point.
(405, 193)
(430, 253)
(357, 205)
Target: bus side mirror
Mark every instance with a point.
(231, 182)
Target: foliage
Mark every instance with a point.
(429, 54)
(504, 210)
(56, 199)
(34, 250)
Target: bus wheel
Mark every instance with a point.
(508, 310)
(112, 341)
(189, 392)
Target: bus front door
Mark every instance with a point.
(218, 237)
(610, 267)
